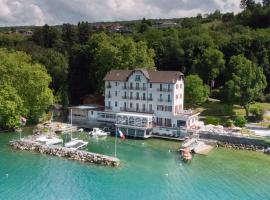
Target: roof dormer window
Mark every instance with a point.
(137, 78)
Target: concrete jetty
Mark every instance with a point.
(83, 156)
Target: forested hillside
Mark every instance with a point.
(220, 47)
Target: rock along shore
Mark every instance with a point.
(82, 156)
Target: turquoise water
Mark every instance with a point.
(151, 169)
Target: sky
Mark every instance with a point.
(40, 12)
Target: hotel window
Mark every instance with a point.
(160, 87)
(131, 94)
(144, 86)
(176, 86)
(160, 97)
(137, 86)
(169, 98)
(130, 105)
(144, 107)
(125, 105)
(115, 83)
(150, 107)
(115, 104)
(143, 96)
(137, 78)
(131, 86)
(137, 107)
(116, 93)
(125, 85)
(137, 96)
(109, 103)
(150, 96)
(150, 85)
(181, 85)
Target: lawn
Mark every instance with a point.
(215, 108)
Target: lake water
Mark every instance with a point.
(150, 169)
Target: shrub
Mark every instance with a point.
(212, 120)
(229, 123)
(267, 98)
(257, 112)
(240, 121)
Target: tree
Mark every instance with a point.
(195, 90)
(11, 106)
(247, 4)
(211, 65)
(28, 80)
(119, 52)
(83, 32)
(248, 81)
(266, 3)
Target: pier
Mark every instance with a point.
(79, 155)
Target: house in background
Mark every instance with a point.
(144, 102)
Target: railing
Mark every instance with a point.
(136, 98)
(160, 100)
(108, 86)
(108, 96)
(150, 99)
(123, 109)
(164, 90)
(134, 88)
(125, 97)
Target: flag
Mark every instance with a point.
(121, 134)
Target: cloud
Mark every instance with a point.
(39, 12)
(20, 12)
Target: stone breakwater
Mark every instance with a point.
(82, 156)
(236, 142)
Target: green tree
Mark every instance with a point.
(119, 52)
(29, 79)
(248, 81)
(211, 64)
(247, 4)
(195, 90)
(11, 106)
(266, 2)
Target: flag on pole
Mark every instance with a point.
(121, 134)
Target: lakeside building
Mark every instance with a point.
(141, 103)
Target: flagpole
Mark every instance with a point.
(115, 143)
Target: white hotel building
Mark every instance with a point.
(145, 102)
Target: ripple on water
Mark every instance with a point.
(151, 169)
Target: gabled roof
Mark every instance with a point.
(152, 75)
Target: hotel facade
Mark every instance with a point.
(144, 102)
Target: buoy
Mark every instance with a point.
(6, 175)
(167, 174)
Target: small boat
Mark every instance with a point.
(186, 155)
(48, 140)
(98, 132)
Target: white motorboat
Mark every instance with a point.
(98, 132)
(48, 140)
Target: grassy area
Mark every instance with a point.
(215, 108)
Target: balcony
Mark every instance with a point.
(123, 109)
(150, 99)
(124, 87)
(135, 88)
(164, 90)
(108, 86)
(108, 96)
(160, 100)
(125, 97)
